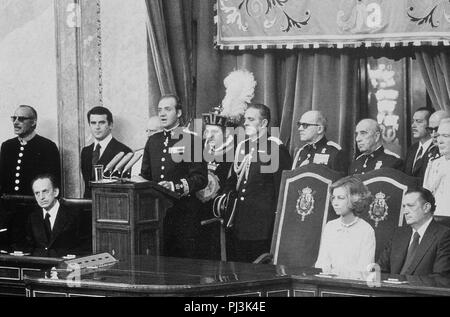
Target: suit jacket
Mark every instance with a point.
(19, 164)
(432, 255)
(421, 165)
(65, 238)
(114, 147)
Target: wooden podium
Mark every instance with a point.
(127, 218)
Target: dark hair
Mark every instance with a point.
(178, 105)
(429, 111)
(48, 176)
(425, 195)
(358, 193)
(264, 111)
(33, 111)
(100, 111)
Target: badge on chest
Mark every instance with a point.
(321, 158)
(177, 150)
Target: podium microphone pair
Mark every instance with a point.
(119, 161)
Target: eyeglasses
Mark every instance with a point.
(431, 130)
(19, 118)
(305, 125)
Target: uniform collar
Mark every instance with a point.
(321, 143)
(28, 138)
(170, 131)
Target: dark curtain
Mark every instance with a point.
(435, 68)
(170, 32)
(289, 82)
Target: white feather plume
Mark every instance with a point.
(240, 89)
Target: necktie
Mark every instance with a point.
(96, 154)
(411, 252)
(418, 156)
(47, 225)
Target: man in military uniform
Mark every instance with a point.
(433, 127)
(169, 159)
(437, 175)
(373, 154)
(318, 150)
(21, 159)
(219, 155)
(256, 177)
(420, 152)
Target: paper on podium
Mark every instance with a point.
(92, 261)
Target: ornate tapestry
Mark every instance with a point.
(251, 24)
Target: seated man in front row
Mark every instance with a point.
(53, 230)
(423, 250)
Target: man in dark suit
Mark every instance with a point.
(373, 154)
(21, 159)
(169, 159)
(420, 152)
(52, 230)
(258, 164)
(422, 247)
(104, 148)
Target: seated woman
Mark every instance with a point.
(348, 243)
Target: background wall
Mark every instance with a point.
(125, 69)
(28, 64)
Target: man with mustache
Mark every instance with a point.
(420, 152)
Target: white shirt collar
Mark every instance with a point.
(27, 139)
(103, 143)
(53, 212)
(422, 229)
(425, 145)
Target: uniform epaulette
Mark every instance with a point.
(391, 153)
(335, 145)
(186, 130)
(276, 140)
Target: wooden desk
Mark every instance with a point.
(162, 276)
(13, 269)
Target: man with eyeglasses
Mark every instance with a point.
(437, 175)
(433, 127)
(24, 157)
(419, 153)
(373, 155)
(318, 150)
(21, 159)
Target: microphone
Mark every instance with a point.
(133, 161)
(122, 163)
(113, 162)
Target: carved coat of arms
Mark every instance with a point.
(378, 208)
(305, 202)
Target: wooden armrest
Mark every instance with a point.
(265, 258)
